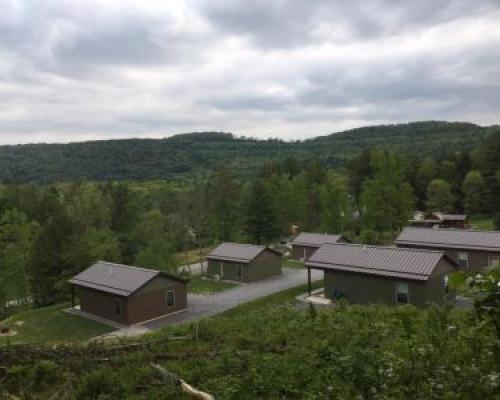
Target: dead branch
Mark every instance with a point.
(186, 388)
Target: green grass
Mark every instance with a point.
(198, 285)
(51, 324)
(291, 263)
(482, 222)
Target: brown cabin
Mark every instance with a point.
(305, 244)
(128, 295)
(439, 220)
(471, 249)
(243, 262)
(371, 274)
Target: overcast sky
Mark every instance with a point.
(99, 69)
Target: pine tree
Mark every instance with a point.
(261, 222)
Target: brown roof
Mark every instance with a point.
(390, 262)
(450, 217)
(237, 252)
(315, 239)
(467, 239)
(119, 279)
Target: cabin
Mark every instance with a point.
(439, 220)
(388, 275)
(243, 262)
(471, 249)
(305, 244)
(128, 295)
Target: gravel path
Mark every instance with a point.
(205, 305)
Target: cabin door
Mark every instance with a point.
(221, 270)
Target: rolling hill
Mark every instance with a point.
(181, 155)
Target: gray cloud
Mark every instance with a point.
(120, 68)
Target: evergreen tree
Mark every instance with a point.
(261, 222)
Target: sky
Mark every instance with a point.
(106, 69)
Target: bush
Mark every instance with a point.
(102, 384)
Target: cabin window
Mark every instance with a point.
(170, 298)
(118, 307)
(402, 296)
(445, 284)
(463, 260)
(493, 261)
(240, 271)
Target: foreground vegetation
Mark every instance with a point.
(268, 349)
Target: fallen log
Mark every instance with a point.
(186, 388)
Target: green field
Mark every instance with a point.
(198, 285)
(291, 263)
(482, 222)
(50, 324)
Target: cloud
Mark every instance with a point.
(293, 69)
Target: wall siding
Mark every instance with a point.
(265, 265)
(363, 288)
(298, 252)
(147, 303)
(477, 259)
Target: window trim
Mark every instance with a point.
(463, 253)
(493, 257)
(398, 292)
(166, 298)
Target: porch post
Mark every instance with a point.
(72, 296)
(309, 289)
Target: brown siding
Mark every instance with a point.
(298, 252)
(266, 264)
(150, 301)
(477, 259)
(147, 303)
(363, 288)
(102, 304)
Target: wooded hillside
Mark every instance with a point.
(184, 155)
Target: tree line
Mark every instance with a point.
(50, 232)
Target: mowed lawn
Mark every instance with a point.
(50, 324)
(198, 285)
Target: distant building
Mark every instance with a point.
(471, 249)
(243, 262)
(305, 244)
(127, 294)
(438, 219)
(370, 274)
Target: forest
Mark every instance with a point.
(186, 156)
(49, 232)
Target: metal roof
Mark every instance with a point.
(315, 239)
(450, 217)
(384, 261)
(237, 252)
(467, 239)
(119, 279)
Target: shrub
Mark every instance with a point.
(102, 384)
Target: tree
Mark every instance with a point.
(261, 222)
(16, 243)
(439, 196)
(475, 193)
(336, 208)
(427, 171)
(387, 197)
(359, 169)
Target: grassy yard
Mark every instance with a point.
(50, 324)
(193, 256)
(482, 222)
(288, 262)
(198, 285)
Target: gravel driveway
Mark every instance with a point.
(210, 304)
